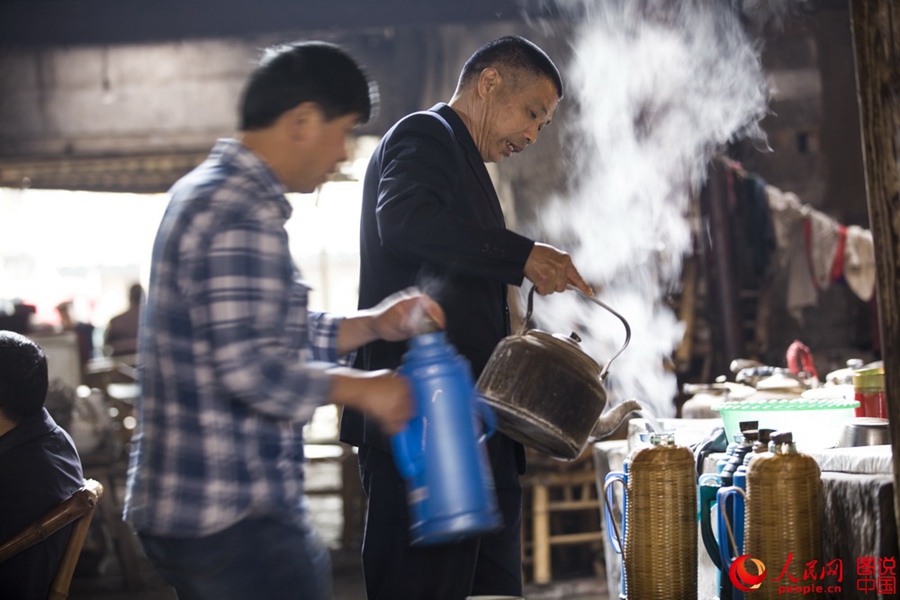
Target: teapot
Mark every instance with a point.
(547, 393)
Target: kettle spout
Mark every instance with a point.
(611, 420)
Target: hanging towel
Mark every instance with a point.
(821, 236)
(788, 216)
(859, 262)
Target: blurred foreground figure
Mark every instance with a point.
(232, 362)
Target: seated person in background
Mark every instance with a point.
(39, 467)
(121, 333)
(84, 331)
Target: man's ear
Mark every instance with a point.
(489, 81)
(303, 120)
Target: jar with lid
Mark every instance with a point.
(868, 388)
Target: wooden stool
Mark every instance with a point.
(552, 490)
(345, 484)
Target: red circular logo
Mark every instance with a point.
(743, 579)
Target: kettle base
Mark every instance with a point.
(534, 432)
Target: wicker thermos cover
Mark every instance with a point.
(660, 553)
(783, 516)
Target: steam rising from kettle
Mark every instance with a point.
(659, 87)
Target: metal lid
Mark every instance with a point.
(566, 348)
(781, 380)
(662, 438)
(782, 437)
(869, 378)
(766, 434)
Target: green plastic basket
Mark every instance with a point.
(815, 422)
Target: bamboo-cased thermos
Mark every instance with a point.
(660, 550)
(783, 517)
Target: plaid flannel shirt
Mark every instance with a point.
(228, 356)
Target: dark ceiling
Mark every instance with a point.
(71, 22)
(75, 22)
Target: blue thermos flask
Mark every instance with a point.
(442, 453)
(616, 538)
(732, 506)
(708, 487)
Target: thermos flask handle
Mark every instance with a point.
(726, 533)
(612, 527)
(709, 484)
(400, 444)
(487, 416)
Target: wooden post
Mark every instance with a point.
(876, 42)
(541, 532)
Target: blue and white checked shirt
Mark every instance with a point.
(226, 349)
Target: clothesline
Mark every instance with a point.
(813, 247)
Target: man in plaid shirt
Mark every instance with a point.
(233, 364)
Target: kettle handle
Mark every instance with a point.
(530, 308)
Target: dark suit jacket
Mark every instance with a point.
(431, 218)
(39, 468)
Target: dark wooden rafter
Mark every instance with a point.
(70, 22)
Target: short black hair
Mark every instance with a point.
(23, 376)
(512, 51)
(319, 72)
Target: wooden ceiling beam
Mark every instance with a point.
(73, 22)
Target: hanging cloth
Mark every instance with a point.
(859, 262)
(788, 216)
(820, 235)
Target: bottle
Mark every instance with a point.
(616, 537)
(737, 459)
(442, 454)
(660, 550)
(868, 388)
(738, 438)
(730, 521)
(760, 446)
(783, 517)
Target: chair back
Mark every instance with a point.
(77, 508)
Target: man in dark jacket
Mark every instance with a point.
(39, 467)
(431, 217)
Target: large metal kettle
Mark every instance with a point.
(547, 393)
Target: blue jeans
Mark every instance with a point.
(256, 558)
